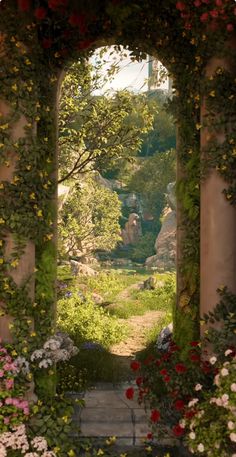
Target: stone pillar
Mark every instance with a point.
(25, 268)
(218, 224)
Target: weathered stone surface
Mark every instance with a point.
(81, 269)
(132, 232)
(165, 245)
(152, 283)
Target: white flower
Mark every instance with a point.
(198, 387)
(38, 354)
(200, 447)
(193, 402)
(52, 344)
(45, 363)
(225, 398)
(48, 454)
(213, 360)
(228, 352)
(192, 436)
(233, 387)
(231, 425)
(39, 443)
(201, 413)
(217, 380)
(233, 437)
(182, 423)
(224, 372)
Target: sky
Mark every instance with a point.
(132, 75)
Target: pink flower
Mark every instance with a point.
(214, 13)
(9, 383)
(1, 373)
(197, 3)
(219, 3)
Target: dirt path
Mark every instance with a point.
(136, 342)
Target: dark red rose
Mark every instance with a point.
(179, 405)
(163, 372)
(167, 378)
(57, 4)
(230, 27)
(139, 381)
(219, 2)
(190, 414)
(206, 367)
(197, 3)
(47, 43)
(149, 436)
(130, 393)
(155, 415)
(180, 6)
(194, 343)
(24, 5)
(178, 430)
(135, 365)
(180, 368)
(194, 356)
(157, 363)
(148, 360)
(40, 13)
(78, 20)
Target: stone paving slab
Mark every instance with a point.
(106, 415)
(107, 429)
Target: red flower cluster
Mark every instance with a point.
(212, 16)
(135, 365)
(130, 393)
(155, 415)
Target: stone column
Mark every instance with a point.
(218, 224)
(25, 268)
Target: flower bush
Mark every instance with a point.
(17, 440)
(194, 399)
(14, 408)
(212, 429)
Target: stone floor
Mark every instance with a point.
(108, 413)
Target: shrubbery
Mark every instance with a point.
(88, 322)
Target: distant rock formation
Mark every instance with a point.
(132, 232)
(165, 245)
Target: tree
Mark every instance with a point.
(89, 219)
(96, 132)
(163, 135)
(152, 178)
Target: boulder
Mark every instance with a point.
(152, 283)
(78, 268)
(164, 338)
(132, 232)
(165, 244)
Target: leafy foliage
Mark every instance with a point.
(89, 219)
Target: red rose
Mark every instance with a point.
(230, 27)
(167, 378)
(190, 414)
(204, 17)
(180, 368)
(197, 3)
(40, 13)
(57, 4)
(149, 436)
(194, 343)
(139, 381)
(214, 14)
(148, 360)
(135, 365)
(24, 5)
(130, 393)
(206, 367)
(78, 20)
(178, 430)
(163, 372)
(179, 405)
(194, 356)
(157, 363)
(155, 415)
(180, 6)
(47, 43)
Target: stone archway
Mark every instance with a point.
(34, 53)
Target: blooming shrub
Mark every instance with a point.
(58, 348)
(213, 426)
(17, 440)
(167, 385)
(14, 408)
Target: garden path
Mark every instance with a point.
(136, 341)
